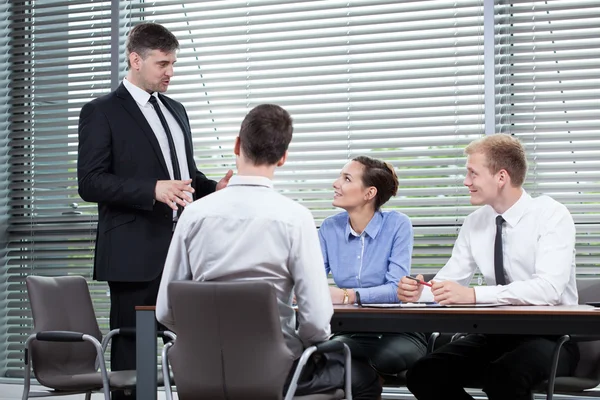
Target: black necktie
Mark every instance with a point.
(174, 160)
(498, 259)
(163, 121)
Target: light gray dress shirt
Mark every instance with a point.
(538, 241)
(247, 231)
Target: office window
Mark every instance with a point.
(5, 104)
(400, 81)
(548, 91)
(60, 59)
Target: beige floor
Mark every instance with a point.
(15, 391)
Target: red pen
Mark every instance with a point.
(419, 281)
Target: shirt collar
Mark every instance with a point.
(372, 229)
(513, 215)
(139, 95)
(247, 180)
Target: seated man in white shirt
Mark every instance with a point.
(524, 248)
(216, 239)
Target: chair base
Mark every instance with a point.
(332, 395)
(57, 393)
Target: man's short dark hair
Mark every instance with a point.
(265, 134)
(149, 36)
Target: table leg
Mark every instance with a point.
(146, 357)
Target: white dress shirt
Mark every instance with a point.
(141, 97)
(247, 231)
(538, 242)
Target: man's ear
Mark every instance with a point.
(236, 146)
(503, 177)
(135, 60)
(283, 159)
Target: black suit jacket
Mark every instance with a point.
(118, 165)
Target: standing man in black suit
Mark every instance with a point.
(136, 161)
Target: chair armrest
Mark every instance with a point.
(168, 334)
(65, 336)
(54, 336)
(59, 336)
(126, 331)
(458, 335)
(166, 369)
(323, 347)
(329, 346)
(130, 332)
(584, 338)
(431, 341)
(554, 366)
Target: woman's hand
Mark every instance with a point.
(337, 295)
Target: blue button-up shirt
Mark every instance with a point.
(373, 262)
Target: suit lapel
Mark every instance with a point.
(133, 109)
(187, 135)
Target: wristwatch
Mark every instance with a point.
(346, 297)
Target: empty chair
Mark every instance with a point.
(66, 347)
(587, 373)
(230, 344)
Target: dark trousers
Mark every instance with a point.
(326, 372)
(504, 366)
(124, 297)
(388, 353)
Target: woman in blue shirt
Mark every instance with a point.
(368, 251)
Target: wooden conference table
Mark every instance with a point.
(535, 320)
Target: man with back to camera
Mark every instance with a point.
(136, 161)
(524, 247)
(249, 211)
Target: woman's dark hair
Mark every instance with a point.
(381, 175)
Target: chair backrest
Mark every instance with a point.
(230, 344)
(588, 290)
(589, 359)
(61, 304)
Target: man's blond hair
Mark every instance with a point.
(502, 152)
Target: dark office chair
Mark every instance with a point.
(66, 348)
(434, 338)
(437, 339)
(399, 379)
(587, 373)
(230, 345)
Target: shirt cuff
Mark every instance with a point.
(364, 295)
(487, 294)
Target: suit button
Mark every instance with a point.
(166, 215)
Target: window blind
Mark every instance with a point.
(548, 91)
(5, 105)
(400, 81)
(59, 59)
